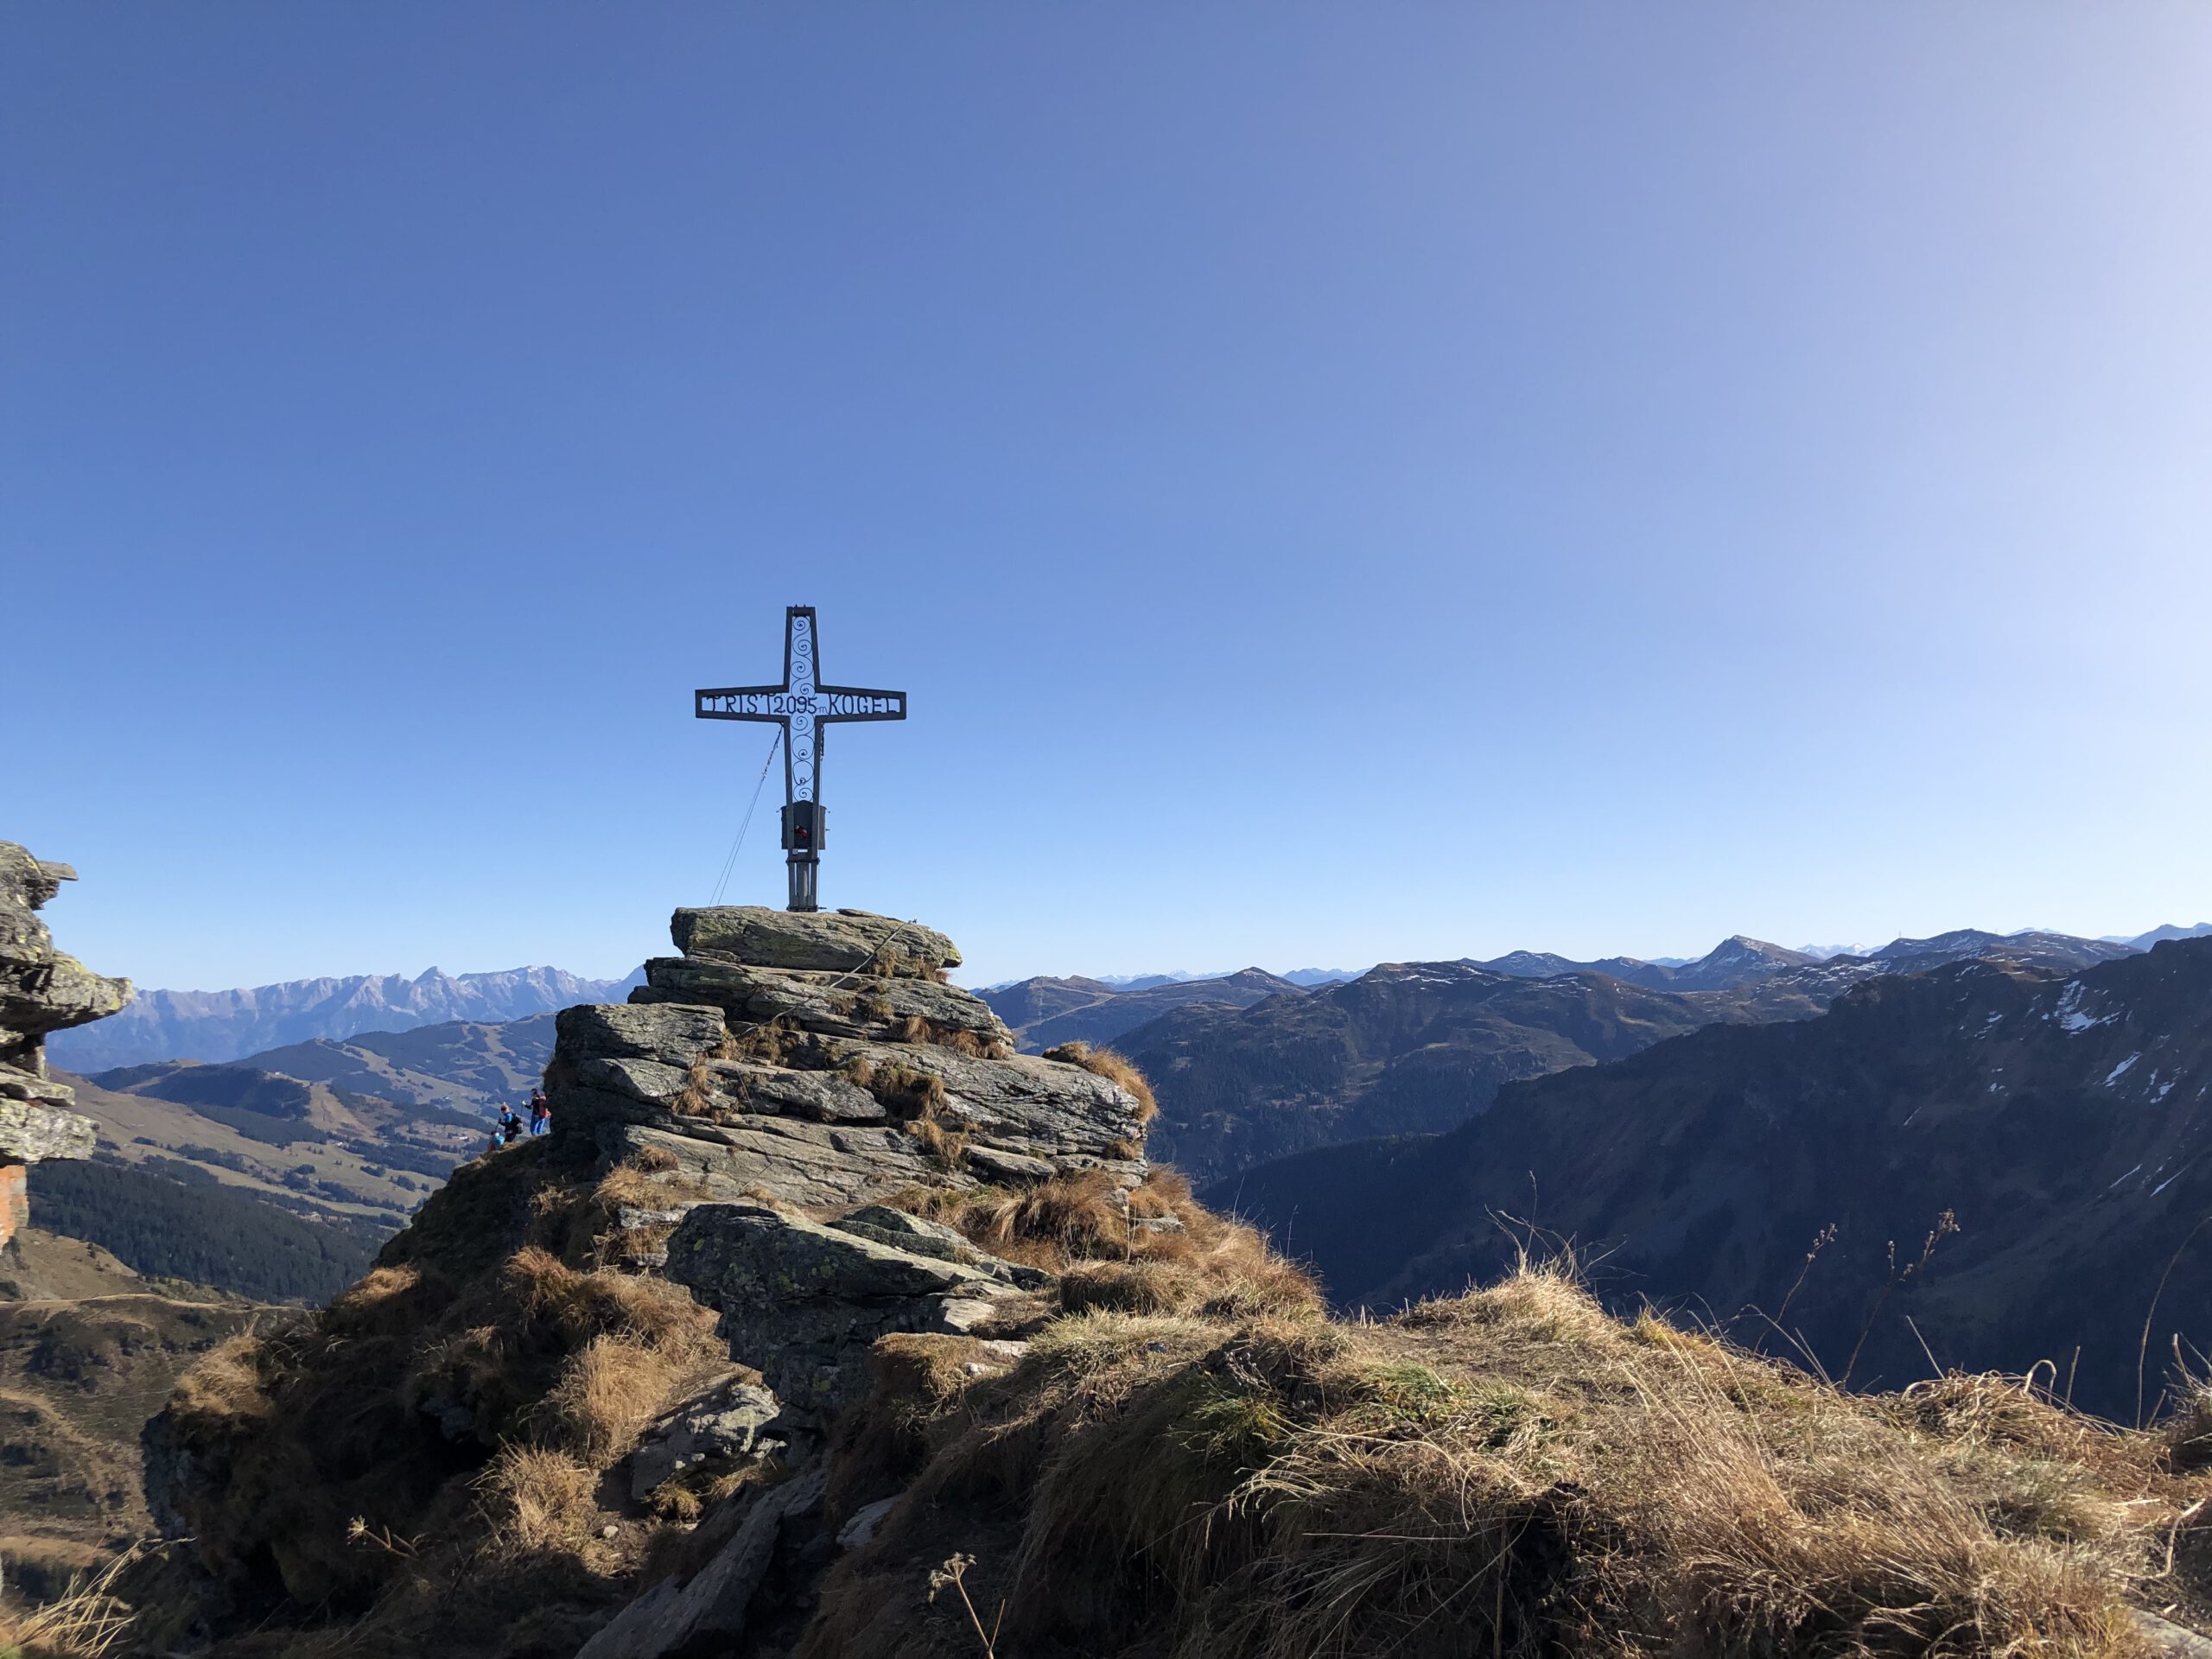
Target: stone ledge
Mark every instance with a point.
(835, 941)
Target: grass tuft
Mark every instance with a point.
(1116, 1068)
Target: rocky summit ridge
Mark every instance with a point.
(750, 1153)
(820, 1058)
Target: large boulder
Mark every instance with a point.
(833, 941)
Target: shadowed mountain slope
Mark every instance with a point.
(466, 1065)
(1408, 1046)
(1045, 1012)
(1421, 1046)
(2063, 1121)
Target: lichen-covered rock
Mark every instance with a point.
(921, 1236)
(802, 1302)
(41, 989)
(730, 1423)
(29, 1134)
(808, 1166)
(774, 1091)
(1047, 1108)
(673, 1033)
(835, 941)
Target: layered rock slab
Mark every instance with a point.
(803, 1301)
(839, 941)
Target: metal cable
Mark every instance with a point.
(730, 863)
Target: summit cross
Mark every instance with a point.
(804, 707)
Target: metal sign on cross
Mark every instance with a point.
(804, 707)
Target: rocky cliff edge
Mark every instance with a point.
(41, 990)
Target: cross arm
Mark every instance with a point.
(857, 702)
(743, 702)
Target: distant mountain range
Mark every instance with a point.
(2061, 1118)
(231, 1025)
(2159, 935)
(1043, 1013)
(1424, 1046)
(1739, 960)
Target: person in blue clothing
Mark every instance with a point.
(541, 1112)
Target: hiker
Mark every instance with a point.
(541, 1112)
(510, 1126)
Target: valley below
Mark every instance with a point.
(1990, 1165)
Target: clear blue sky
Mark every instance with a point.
(1338, 482)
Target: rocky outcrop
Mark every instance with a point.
(659, 1319)
(814, 1060)
(41, 990)
(776, 1080)
(795, 1068)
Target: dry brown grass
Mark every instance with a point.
(636, 1185)
(1070, 1218)
(537, 1498)
(650, 1160)
(909, 1095)
(697, 1097)
(581, 1358)
(489, 1328)
(915, 1029)
(1512, 1471)
(87, 1620)
(2188, 1428)
(226, 1385)
(614, 1386)
(1116, 1068)
(1087, 1229)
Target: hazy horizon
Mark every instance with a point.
(963, 976)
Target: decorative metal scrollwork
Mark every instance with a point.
(801, 705)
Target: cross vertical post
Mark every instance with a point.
(805, 707)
